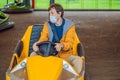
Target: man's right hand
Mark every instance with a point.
(35, 47)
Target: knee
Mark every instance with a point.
(33, 54)
(77, 59)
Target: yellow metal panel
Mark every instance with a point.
(15, 55)
(26, 41)
(76, 41)
(48, 68)
(14, 58)
(81, 78)
(83, 57)
(7, 77)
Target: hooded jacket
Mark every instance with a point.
(67, 39)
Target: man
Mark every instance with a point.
(65, 30)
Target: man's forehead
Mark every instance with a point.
(52, 9)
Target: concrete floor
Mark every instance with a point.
(99, 32)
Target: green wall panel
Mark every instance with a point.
(89, 4)
(103, 4)
(116, 4)
(75, 4)
(42, 4)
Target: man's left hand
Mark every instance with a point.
(59, 46)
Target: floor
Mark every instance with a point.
(99, 31)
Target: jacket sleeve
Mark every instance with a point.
(44, 33)
(68, 38)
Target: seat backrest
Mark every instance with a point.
(35, 35)
(32, 34)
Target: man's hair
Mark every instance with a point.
(57, 7)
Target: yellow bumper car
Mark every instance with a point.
(26, 67)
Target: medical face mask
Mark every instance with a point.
(53, 19)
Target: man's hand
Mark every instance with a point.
(59, 46)
(35, 47)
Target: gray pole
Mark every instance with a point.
(52, 1)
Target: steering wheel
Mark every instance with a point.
(47, 48)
